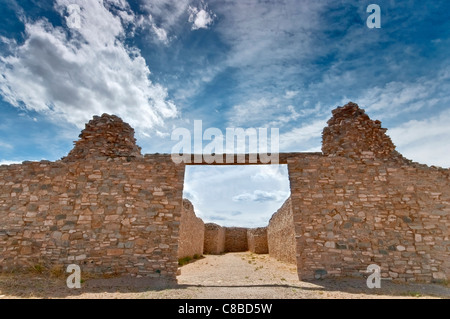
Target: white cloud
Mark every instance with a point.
(397, 98)
(271, 172)
(300, 138)
(265, 37)
(168, 12)
(91, 72)
(425, 141)
(5, 145)
(5, 162)
(262, 112)
(161, 34)
(291, 94)
(200, 18)
(261, 196)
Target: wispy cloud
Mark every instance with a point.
(304, 137)
(261, 113)
(260, 196)
(167, 14)
(425, 141)
(291, 94)
(6, 145)
(408, 97)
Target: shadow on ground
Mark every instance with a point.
(21, 286)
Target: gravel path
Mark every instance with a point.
(233, 275)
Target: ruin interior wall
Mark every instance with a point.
(257, 240)
(281, 236)
(236, 239)
(214, 239)
(191, 233)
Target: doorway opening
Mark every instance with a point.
(247, 219)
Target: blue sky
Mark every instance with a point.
(161, 64)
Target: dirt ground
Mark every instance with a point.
(229, 276)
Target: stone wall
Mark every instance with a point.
(108, 216)
(350, 214)
(257, 240)
(236, 239)
(281, 236)
(113, 214)
(376, 208)
(111, 210)
(351, 133)
(106, 136)
(192, 232)
(214, 239)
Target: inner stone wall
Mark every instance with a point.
(257, 240)
(281, 234)
(214, 239)
(236, 239)
(192, 232)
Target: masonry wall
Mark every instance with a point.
(236, 239)
(280, 234)
(108, 215)
(363, 203)
(257, 240)
(109, 209)
(351, 213)
(214, 243)
(192, 232)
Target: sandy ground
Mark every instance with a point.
(233, 275)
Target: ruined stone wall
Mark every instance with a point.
(111, 210)
(257, 240)
(214, 239)
(192, 232)
(104, 207)
(351, 133)
(236, 239)
(354, 208)
(106, 215)
(350, 214)
(105, 135)
(280, 234)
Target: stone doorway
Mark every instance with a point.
(230, 191)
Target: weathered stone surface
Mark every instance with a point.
(257, 240)
(236, 239)
(115, 230)
(192, 232)
(281, 234)
(351, 133)
(107, 136)
(111, 210)
(363, 230)
(214, 239)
